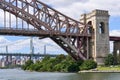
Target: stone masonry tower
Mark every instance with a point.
(99, 42)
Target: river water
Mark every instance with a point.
(18, 74)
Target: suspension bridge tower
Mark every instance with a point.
(99, 42)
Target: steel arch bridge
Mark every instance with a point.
(34, 18)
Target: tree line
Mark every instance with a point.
(60, 63)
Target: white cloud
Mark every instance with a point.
(3, 40)
(115, 33)
(74, 8)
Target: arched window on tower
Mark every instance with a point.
(101, 28)
(90, 28)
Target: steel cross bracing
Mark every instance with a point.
(70, 34)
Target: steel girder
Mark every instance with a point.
(70, 34)
(74, 46)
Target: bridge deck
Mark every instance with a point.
(29, 32)
(114, 38)
(29, 55)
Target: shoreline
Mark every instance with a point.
(97, 71)
(84, 71)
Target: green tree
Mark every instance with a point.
(37, 67)
(60, 58)
(46, 58)
(24, 67)
(69, 58)
(57, 67)
(109, 60)
(79, 63)
(88, 64)
(60, 63)
(27, 65)
(73, 68)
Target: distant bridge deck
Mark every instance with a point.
(114, 38)
(28, 55)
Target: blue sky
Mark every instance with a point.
(73, 9)
(114, 23)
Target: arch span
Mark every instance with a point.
(70, 34)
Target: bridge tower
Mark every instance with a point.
(99, 43)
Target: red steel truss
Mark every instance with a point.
(68, 33)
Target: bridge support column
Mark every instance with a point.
(116, 51)
(98, 28)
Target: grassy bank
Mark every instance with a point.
(108, 68)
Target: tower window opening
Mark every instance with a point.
(90, 27)
(101, 28)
